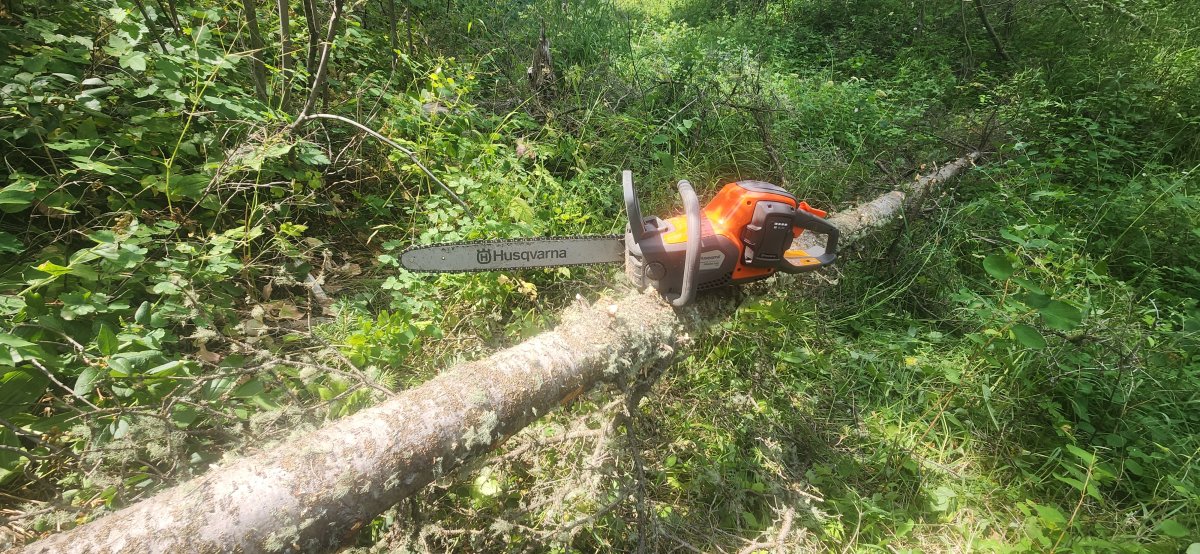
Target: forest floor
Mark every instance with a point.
(1014, 368)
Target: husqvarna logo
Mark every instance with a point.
(487, 256)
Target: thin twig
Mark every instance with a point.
(322, 65)
(69, 390)
(621, 496)
(777, 544)
(411, 155)
(572, 435)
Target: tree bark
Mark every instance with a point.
(991, 32)
(154, 30)
(408, 23)
(969, 63)
(314, 38)
(920, 19)
(286, 64)
(258, 70)
(313, 492)
(172, 18)
(391, 16)
(174, 14)
(318, 84)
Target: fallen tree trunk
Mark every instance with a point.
(315, 491)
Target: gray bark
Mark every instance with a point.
(314, 491)
(258, 70)
(318, 84)
(285, 54)
(393, 40)
(991, 32)
(314, 38)
(150, 24)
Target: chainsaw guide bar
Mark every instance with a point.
(509, 254)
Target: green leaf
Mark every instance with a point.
(13, 341)
(998, 267)
(19, 389)
(88, 164)
(107, 341)
(134, 60)
(311, 154)
(1061, 316)
(176, 186)
(53, 269)
(1087, 457)
(489, 487)
(943, 497)
(248, 389)
(10, 244)
(1028, 336)
(142, 315)
(117, 14)
(267, 152)
(17, 196)
(1132, 466)
(1173, 529)
(519, 210)
(184, 415)
(1073, 482)
(11, 461)
(86, 382)
(1193, 548)
(75, 144)
(167, 369)
(1050, 516)
(1033, 299)
(1029, 286)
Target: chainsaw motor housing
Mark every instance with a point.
(746, 233)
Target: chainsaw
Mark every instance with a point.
(744, 234)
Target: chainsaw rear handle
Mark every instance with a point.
(691, 260)
(810, 222)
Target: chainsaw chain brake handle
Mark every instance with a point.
(744, 234)
(640, 228)
(691, 209)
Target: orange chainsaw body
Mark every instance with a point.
(729, 212)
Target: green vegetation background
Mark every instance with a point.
(1014, 368)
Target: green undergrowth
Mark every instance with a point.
(1013, 368)
(994, 391)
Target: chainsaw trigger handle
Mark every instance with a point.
(800, 261)
(691, 208)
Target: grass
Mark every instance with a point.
(1014, 368)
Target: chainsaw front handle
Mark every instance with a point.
(691, 260)
(633, 210)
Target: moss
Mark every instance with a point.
(286, 537)
(481, 434)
